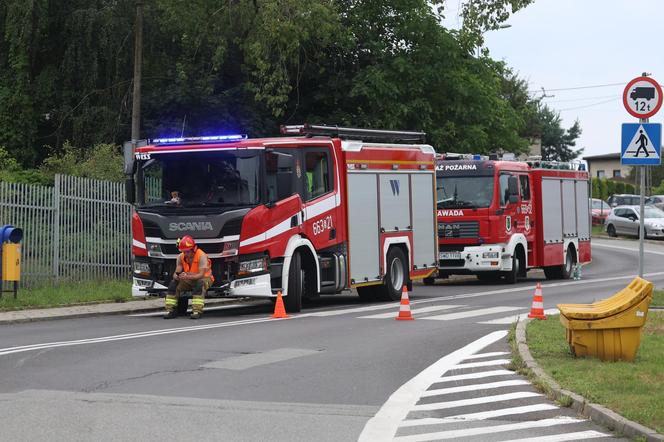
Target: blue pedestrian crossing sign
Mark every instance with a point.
(641, 144)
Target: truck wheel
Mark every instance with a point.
(183, 304)
(611, 231)
(396, 276)
(564, 271)
(293, 300)
(513, 275)
(429, 281)
(570, 262)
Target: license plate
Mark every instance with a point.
(450, 255)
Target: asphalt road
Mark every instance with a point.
(340, 370)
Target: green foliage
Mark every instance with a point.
(610, 187)
(619, 187)
(659, 190)
(603, 189)
(103, 161)
(248, 66)
(557, 143)
(595, 189)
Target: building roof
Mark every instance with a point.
(606, 156)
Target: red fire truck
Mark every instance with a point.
(498, 219)
(319, 211)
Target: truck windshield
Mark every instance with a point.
(211, 179)
(464, 192)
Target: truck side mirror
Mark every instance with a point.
(130, 189)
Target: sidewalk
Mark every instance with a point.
(80, 311)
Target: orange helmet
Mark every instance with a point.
(186, 243)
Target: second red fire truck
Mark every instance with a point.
(498, 219)
(319, 211)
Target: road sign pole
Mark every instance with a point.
(642, 218)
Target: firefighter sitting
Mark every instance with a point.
(193, 272)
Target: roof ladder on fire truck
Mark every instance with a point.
(386, 136)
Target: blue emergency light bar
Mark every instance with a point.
(218, 138)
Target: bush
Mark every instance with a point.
(603, 189)
(596, 191)
(610, 188)
(102, 162)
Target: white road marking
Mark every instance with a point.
(472, 313)
(384, 424)
(395, 305)
(479, 375)
(146, 334)
(244, 362)
(488, 355)
(481, 364)
(512, 319)
(415, 312)
(467, 432)
(475, 401)
(580, 435)
(479, 416)
(475, 387)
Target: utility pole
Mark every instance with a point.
(138, 70)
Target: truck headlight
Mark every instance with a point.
(252, 266)
(154, 249)
(141, 267)
(490, 255)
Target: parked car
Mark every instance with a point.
(656, 200)
(600, 210)
(624, 220)
(624, 199)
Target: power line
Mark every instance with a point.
(590, 105)
(582, 99)
(594, 86)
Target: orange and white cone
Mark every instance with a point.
(279, 310)
(404, 307)
(537, 309)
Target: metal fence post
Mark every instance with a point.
(56, 227)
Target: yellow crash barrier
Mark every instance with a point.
(609, 329)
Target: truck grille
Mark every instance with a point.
(460, 229)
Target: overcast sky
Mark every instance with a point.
(566, 44)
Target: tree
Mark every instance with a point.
(557, 143)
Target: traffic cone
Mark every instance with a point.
(537, 310)
(404, 307)
(279, 310)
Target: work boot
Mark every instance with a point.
(170, 314)
(195, 315)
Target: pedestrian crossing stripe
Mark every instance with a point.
(641, 143)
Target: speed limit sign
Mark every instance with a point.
(642, 97)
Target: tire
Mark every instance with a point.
(611, 231)
(293, 300)
(512, 276)
(183, 305)
(567, 268)
(429, 281)
(396, 276)
(564, 271)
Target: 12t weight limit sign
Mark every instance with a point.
(642, 97)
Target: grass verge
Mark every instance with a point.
(598, 230)
(633, 389)
(657, 299)
(67, 294)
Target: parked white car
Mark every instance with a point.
(624, 220)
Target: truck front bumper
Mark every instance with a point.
(258, 286)
(475, 259)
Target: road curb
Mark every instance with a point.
(625, 239)
(594, 412)
(91, 310)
